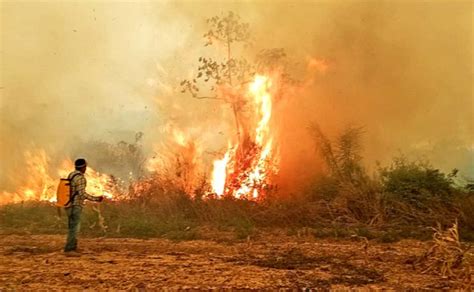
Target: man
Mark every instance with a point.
(74, 207)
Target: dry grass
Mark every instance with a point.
(448, 257)
(272, 262)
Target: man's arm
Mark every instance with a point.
(81, 189)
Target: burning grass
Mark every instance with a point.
(343, 203)
(181, 192)
(178, 202)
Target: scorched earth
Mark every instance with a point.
(33, 262)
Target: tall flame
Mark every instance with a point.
(245, 169)
(219, 175)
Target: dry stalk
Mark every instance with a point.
(364, 247)
(447, 257)
(100, 220)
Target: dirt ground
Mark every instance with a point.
(33, 262)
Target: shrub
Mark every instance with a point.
(416, 180)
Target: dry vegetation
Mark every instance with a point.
(348, 230)
(407, 226)
(268, 261)
(448, 257)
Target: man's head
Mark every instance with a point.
(81, 164)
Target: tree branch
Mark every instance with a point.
(208, 97)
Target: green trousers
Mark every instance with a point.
(74, 223)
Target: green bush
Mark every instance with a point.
(416, 180)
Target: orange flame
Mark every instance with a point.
(39, 185)
(219, 175)
(245, 169)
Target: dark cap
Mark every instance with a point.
(80, 162)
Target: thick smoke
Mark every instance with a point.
(76, 72)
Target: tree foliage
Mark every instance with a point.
(228, 31)
(226, 79)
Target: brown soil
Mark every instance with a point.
(32, 262)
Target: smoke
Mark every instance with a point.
(401, 70)
(75, 72)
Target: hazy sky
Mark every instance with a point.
(103, 70)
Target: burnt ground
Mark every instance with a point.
(32, 262)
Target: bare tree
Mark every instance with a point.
(226, 77)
